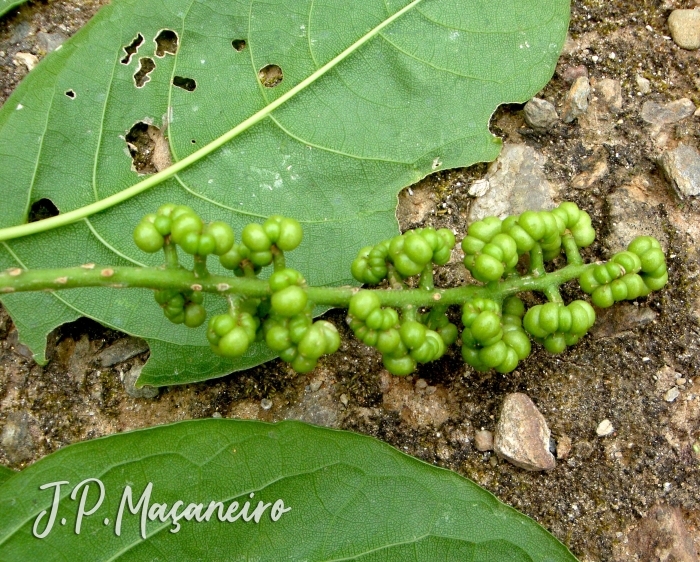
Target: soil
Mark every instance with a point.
(596, 497)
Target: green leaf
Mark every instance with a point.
(7, 5)
(5, 474)
(351, 498)
(375, 95)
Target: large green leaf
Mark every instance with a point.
(5, 473)
(351, 498)
(7, 5)
(375, 95)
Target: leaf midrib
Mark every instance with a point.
(144, 185)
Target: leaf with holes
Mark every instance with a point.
(347, 496)
(7, 5)
(319, 111)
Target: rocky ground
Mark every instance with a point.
(617, 131)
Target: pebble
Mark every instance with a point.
(643, 85)
(16, 438)
(681, 167)
(522, 436)
(27, 59)
(685, 28)
(421, 384)
(604, 428)
(610, 92)
(576, 100)
(314, 386)
(540, 114)
(563, 447)
(217, 415)
(661, 535)
(266, 403)
(665, 114)
(129, 382)
(121, 350)
(20, 348)
(672, 394)
(516, 183)
(344, 399)
(50, 41)
(617, 320)
(430, 390)
(483, 440)
(574, 72)
(479, 188)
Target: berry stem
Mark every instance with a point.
(278, 261)
(170, 251)
(426, 278)
(200, 267)
(573, 256)
(537, 261)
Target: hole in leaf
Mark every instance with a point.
(270, 75)
(238, 44)
(148, 148)
(132, 48)
(185, 83)
(146, 66)
(42, 209)
(166, 42)
(193, 141)
(71, 94)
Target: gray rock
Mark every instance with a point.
(78, 362)
(685, 28)
(643, 85)
(610, 93)
(576, 100)
(516, 183)
(632, 214)
(667, 113)
(682, 169)
(522, 435)
(129, 381)
(121, 350)
(50, 41)
(483, 440)
(540, 114)
(622, 318)
(20, 31)
(16, 440)
(672, 394)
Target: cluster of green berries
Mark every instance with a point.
(181, 225)
(493, 246)
(408, 254)
(403, 343)
(493, 338)
(556, 325)
(627, 275)
(495, 335)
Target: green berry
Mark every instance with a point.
(255, 238)
(147, 237)
(234, 344)
(486, 326)
(194, 315)
(277, 338)
(518, 341)
(494, 354)
(412, 334)
(163, 224)
(399, 366)
(602, 297)
(303, 364)
(417, 248)
(184, 224)
(363, 303)
(487, 268)
(289, 301)
(509, 363)
(223, 237)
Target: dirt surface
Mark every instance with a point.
(597, 500)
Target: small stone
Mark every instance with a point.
(610, 92)
(672, 394)
(27, 59)
(540, 114)
(576, 100)
(685, 28)
(621, 319)
(478, 188)
(604, 428)
(483, 440)
(517, 182)
(421, 384)
(16, 439)
(680, 381)
(573, 72)
(314, 386)
(522, 435)
(129, 382)
(20, 348)
(681, 167)
(50, 41)
(563, 447)
(217, 415)
(344, 399)
(266, 403)
(667, 113)
(121, 350)
(643, 85)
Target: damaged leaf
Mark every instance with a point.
(356, 101)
